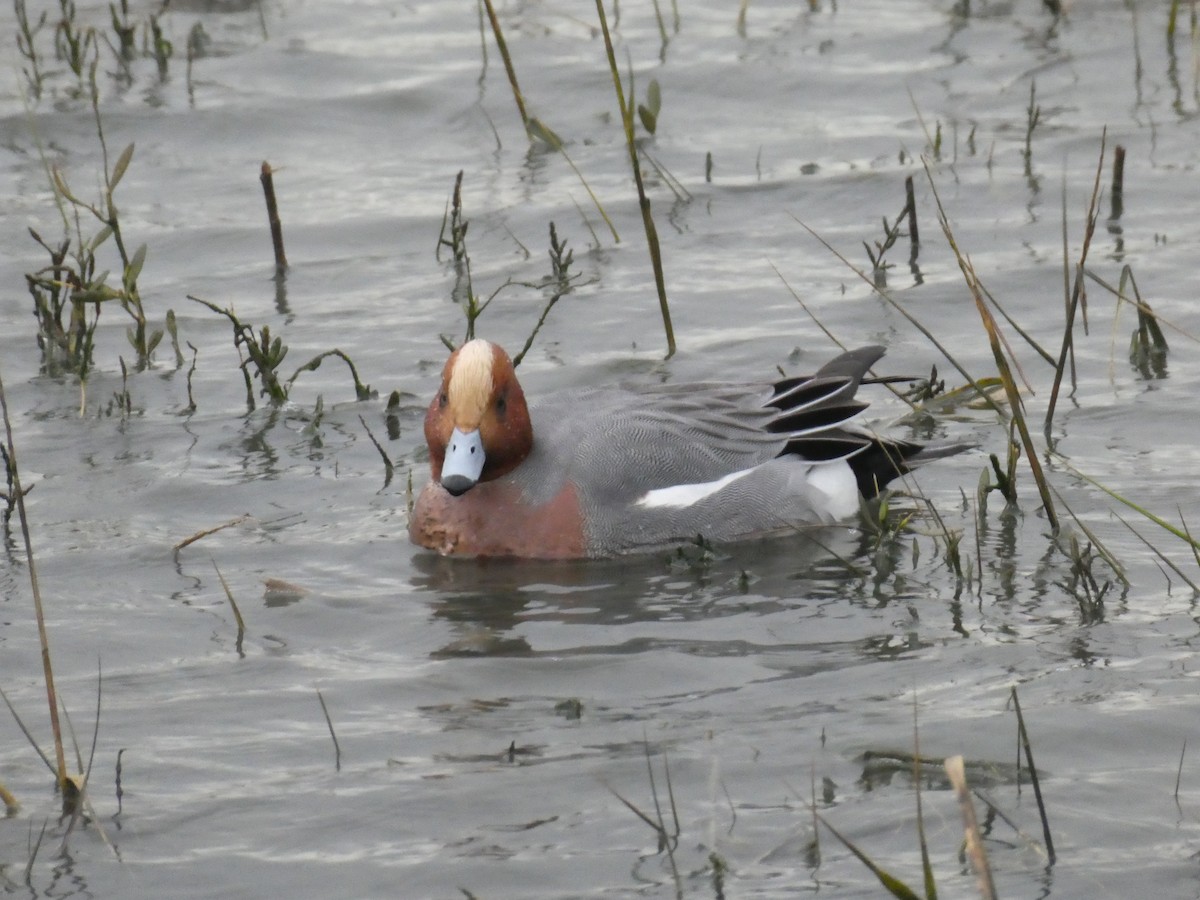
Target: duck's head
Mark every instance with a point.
(477, 427)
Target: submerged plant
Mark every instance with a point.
(264, 355)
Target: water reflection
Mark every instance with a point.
(487, 601)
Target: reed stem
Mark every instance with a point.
(43, 638)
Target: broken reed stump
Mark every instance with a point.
(1117, 194)
(910, 207)
(268, 183)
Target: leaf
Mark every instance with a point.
(101, 236)
(544, 133)
(135, 265)
(649, 111)
(155, 339)
(121, 166)
(60, 185)
(649, 119)
(96, 293)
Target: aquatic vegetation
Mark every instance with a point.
(69, 293)
(535, 129)
(891, 233)
(1034, 566)
(17, 497)
(77, 44)
(949, 776)
(561, 281)
(27, 47)
(264, 355)
(625, 106)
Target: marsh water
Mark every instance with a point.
(489, 716)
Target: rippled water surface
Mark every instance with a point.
(488, 715)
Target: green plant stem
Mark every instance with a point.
(643, 200)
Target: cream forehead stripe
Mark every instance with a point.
(471, 381)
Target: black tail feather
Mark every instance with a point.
(813, 409)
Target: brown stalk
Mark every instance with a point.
(268, 182)
(643, 200)
(975, 851)
(996, 341)
(508, 65)
(43, 637)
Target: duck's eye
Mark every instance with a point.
(443, 399)
(501, 404)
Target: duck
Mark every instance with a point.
(608, 471)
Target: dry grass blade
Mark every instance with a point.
(926, 866)
(637, 812)
(43, 637)
(337, 750)
(1014, 400)
(33, 853)
(997, 344)
(975, 851)
(891, 883)
(25, 731)
(804, 306)
(1188, 534)
(534, 129)
(916, 323)
(1118, 291)
(1078, 294)
(1101, 547)
(12, 807)
(1016, 326)
(1180, 533)
(237, 613)
(994, 808)
(207, 531)
(666, 840)
(546, 135)
(1166, 562)
(1023, 736)
(83, 799)
(508, 64)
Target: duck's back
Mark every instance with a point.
(655, 466)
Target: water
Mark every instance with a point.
(487, 713)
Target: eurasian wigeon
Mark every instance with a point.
(601, 472)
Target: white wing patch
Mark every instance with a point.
(683, 495)
(836, 481)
